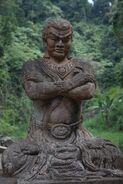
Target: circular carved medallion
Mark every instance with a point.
(60, 131)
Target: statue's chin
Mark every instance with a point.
(59, 56)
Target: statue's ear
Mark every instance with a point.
(44, 39)
(44, 43)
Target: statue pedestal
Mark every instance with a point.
(104, 181)
(11, 180)
(7, 180)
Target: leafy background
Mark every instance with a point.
(98, 38)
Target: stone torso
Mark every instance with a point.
(58, 110)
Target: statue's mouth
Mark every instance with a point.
(59, 50)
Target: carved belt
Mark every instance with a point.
(61, 130)
(58, 130)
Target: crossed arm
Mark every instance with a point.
(80, 87)
(83, 92)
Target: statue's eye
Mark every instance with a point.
(54, 38)
(66, 39)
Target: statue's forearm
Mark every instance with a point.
(83, 92)
(84, 87)
(44, 90)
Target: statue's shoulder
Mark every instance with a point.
(85, 65)
(32, 70)
(32, 65)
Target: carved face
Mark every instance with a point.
(58, 43)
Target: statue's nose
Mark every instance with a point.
(60, 43)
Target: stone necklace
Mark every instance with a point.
(61, 70)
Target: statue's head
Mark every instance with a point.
(57, 35)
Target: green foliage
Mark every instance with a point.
(111, 76)
(101, 10)
(15, 115)
(87, 40)
(115, 116)
(110, 47)
(8, 21)
(119, 73)
(115, 137)
(14, 107)
(39, 10)
(74, 10)
(117, 12)
(109, 106)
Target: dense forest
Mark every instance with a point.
(98, 38)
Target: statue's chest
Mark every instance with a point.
(60, 71)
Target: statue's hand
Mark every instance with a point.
(29, 149)
(78, 80)
(64, 85)
(82, 78)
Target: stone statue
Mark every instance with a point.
(57, 147)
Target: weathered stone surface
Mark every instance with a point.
(110, 181)
(5, 180)
(0, 162)
(5, 141)
(2, 149)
